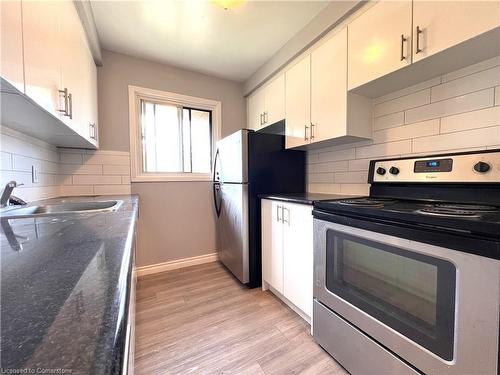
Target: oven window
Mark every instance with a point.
(410, 292)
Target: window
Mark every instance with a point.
(175, 138)
(172, 136)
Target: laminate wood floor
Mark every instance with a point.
(200, 320)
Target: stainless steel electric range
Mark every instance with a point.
(407, 280)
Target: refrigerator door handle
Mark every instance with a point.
(216, 191)
(215, 167)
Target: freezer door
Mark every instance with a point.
(233, 229)
(232, 162)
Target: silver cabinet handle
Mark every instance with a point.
(262, 118)
(403, 40)
(70, 106)
(312, 131)
(93, 133)
(305, 132)
(64, 94)
(278, 209)
(265, 117)
(419, 31)
(288, 215)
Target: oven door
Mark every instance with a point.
(436, 308)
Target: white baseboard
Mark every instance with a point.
(176, 264)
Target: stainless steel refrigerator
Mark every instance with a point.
(247, 164)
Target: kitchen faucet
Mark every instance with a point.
(7, 191)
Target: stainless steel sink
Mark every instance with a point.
(62, 208)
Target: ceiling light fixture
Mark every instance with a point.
(227, 4)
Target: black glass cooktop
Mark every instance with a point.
(477, 218)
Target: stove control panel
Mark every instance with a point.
(480, 167)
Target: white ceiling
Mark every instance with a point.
(200, 35)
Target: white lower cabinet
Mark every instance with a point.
(287, 252)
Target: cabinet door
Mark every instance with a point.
(444, 24)
(375, 41)
(272, 244)
(298, 256)
(329, 88)
(275, 100)
(298, 103)
(75, 69)
(42, 53)
(256, 104)
(11, 44)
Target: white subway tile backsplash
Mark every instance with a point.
(416, 99)
(417, 129)
(384, 149)
(389, 121)
(333, 166)
(458, 140)
(350, 177)
(68, 157)
(73, 190)
(112, 189)
(471, 69)
(62, 172)
(346, 154)
(408, 90)
(321, 178)
(80, 169)
(100, 158)
(5, 161)
(359, 164)
(471, 120)
(497, 95)
(482, 80)
(23, 163)
(83, 179)
(459, 104)
(116, 169)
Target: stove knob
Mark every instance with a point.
(381, 171)
(394, 170)
(482, 167)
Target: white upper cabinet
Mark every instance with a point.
(42, 54)
(318, 106)
(298, 103)
(59, 72)
(256, 105)
(379, 41)
(442, 24)
(275, 100)
(78, 73)
(266, 106)
(329, 88)
(11, 43)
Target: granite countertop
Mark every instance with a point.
(64, 289)
(304, 198)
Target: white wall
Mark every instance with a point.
(62, 172)
(176, 219)
(458, 111)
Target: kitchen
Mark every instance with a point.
(250, 187)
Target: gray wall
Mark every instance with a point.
(176, 218)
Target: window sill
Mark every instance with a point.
(173, 177)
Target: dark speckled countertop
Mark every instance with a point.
(304, 198)
(64, 289)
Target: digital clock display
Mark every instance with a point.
(433, 164)
(436, 165)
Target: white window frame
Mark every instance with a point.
(135, 95)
